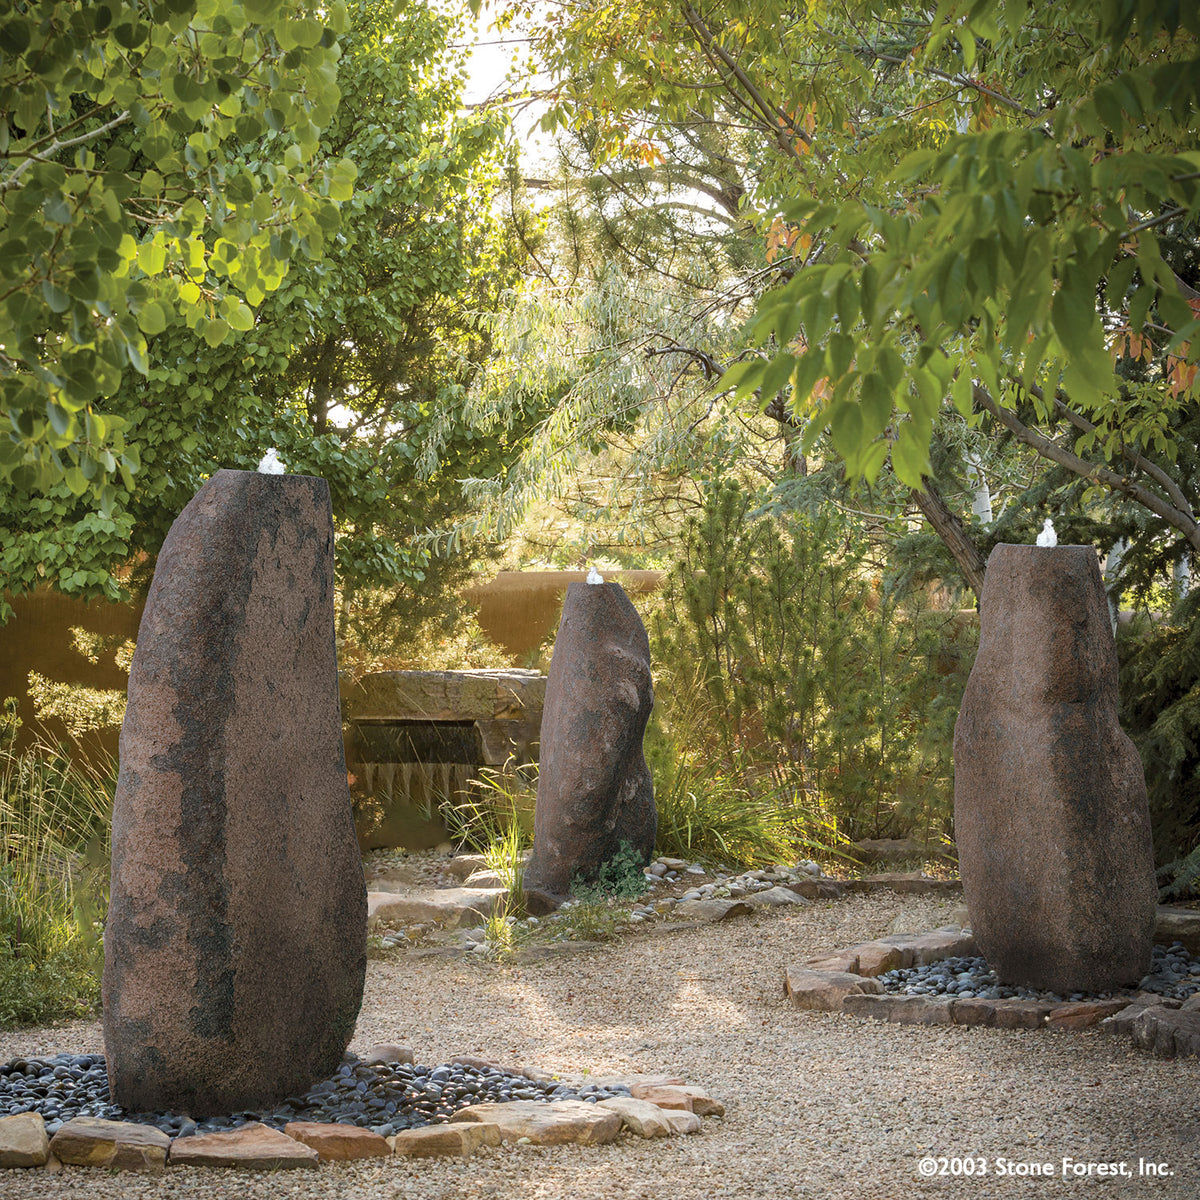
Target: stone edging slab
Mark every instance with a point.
(845, 982)
(659, 1106)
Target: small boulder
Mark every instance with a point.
(823, 991)
(23, 1140)
(681, 1121)
(1167, 1032)
(877, 958)
(641, 1117)
(775, 897)
(455, 1139)
(455, 908)
(255, 1146)
(546, 1124)
(1178, 925)
(123, 1145)
(924, 948)
(681, 1096)
(710, 910)
(817, 889)
(338, 1143)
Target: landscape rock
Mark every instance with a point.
(1083, 1014)
(1166, 1032)
(539, 902)
(846, 962)
(254, 1145)
(906, 883)
(236, 874)
(546, 1124)
(900, 1010)
(465, 865)
(123, 1145)
(1050, 814)
(679, 1096)
(681, 1121)
(817, 889)
(1178, 925)
(484, 879)
(823, 991)
(338, 1143)
(1122, 1022)
(23, 1140)
(595, 794)
(454, 908)
(710, 910)
(386, 1052)
(642, 1117)
(924, 948)
(439, 1141)
(1004, 1014)
(877, 958)
(775, 897)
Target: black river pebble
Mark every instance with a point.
(385, 1097)
(1174, 973)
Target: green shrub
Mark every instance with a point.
(793, 680)
(1160, 710)
(592, 918)
(497, 821)
(498, 810)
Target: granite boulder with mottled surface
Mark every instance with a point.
(235, 947)
(595, 795)
(1050, 810)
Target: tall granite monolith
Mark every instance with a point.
(1050, 809)
(595, 795)
(235, 948)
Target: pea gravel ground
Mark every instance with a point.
(818, 1105)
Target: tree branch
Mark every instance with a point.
(1181, 521)
(1133, 457)
(950, 529)
(56, 147)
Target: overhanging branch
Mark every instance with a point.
(1126, 486)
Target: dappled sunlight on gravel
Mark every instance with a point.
(829, 1107)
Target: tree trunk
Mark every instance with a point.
(950, 529)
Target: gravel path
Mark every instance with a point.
(822, 1106)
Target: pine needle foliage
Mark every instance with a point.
(825, 695)
(1160, 710)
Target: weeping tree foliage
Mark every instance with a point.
(1160, 709)
(1036, 231)
(1019, 261)
(980, 252)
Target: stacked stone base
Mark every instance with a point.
(845, 981)
(660, 1106)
